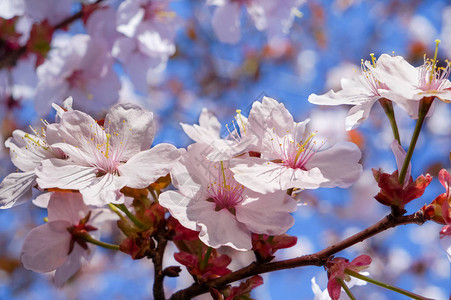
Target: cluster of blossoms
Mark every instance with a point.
(139, 35)
(236, 190)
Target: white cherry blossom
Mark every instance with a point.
(103, 159)
(225, 212)
(290, 158)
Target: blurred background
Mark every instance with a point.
(326, 42)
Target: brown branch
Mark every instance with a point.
(158, 288)
(315, 259)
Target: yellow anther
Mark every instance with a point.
(34, 141)
(108, 136)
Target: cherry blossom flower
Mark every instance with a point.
(363, 91)
(411, 84)
(151, 22)
(274, 17)
(290, 157)
(336, 271)
(102, 160)
(27, 151)
(59, 244)
(225, 212)
(83, 70)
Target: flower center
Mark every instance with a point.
(431, 76)
(224, 191)
(296, 154)
(372, 82)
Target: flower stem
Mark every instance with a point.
(385, 285)
(204, 262)
(347, 290)
(425, 104)
(91, 240)
(131, 216)
(116, 211)
(387, 105)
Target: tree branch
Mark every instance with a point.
(315, 259)
(158, 288)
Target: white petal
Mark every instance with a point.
(42, 200)
(338, 164)
(266, 214)
(131, 127)
(359, 113)
(15, 189)
(268, 177)
(400, 155)
(46, 247)
(178, 205)
(103, 190)
(147, 166)
(220, 228)
(57, 173)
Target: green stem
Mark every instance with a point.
(131, 216)
(204, 262)
(116, 211)
(385, 285)
(425, 104)
(91, 240)
(387, 105)
(347, 290)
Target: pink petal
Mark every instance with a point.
(220, 228)
(46, 247)
(71, 266)
(266, 214)
(147, 166)
(15, 189)
(66, 206)
(339, 164)
(400, 155)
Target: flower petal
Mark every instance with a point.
(339, 164)
(15, 189)
(131, 127)
(147, 166)
(46, 247)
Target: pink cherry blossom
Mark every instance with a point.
(11, 8)
(410, 84)
(290, 157)
(57, 245)
(102, 160)
(82, 69)
(225, 212)
(363, 90)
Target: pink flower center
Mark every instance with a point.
(432, 77)
(224, 190)
(296, 154)
(157, 11)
